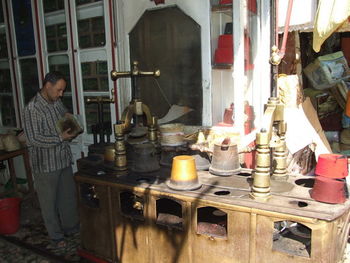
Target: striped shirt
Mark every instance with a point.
(47, 152)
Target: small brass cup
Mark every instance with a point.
(109, 154)
(183, 174)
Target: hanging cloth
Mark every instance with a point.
(331, 16)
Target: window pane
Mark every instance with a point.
(95, 75)
(5, 78)
(30, 81)
(61, 63)
(7, 109)
(55, 26)
(22, 14)
(91, 114)
(1, 13)
(91, 27)
(3, 45)
(67, 101)
(82, 2)
(53, 5)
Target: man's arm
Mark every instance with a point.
(33, 134)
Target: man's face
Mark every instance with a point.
(55, 91)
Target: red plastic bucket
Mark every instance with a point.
(9, 215)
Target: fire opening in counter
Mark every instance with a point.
(132, 205)
(212, 221)
(88, 195)
(292, 238)
(169, 213)
(307, 182)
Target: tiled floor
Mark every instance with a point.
(10, 252)
(31, 243)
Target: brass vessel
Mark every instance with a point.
(183, 174)
(109, 154)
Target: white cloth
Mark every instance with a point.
(331, 15)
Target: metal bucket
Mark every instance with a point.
(225, 161)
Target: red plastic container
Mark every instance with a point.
(332, 166)
(223, 56)
(9, 215)
(225, 2)
(225, 41)
(252, 6)
(328, 190)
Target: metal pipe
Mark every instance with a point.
(286, 29)
(274, 42)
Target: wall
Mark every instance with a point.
(129, 12)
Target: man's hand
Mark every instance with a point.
(68, 115)
(66, 136)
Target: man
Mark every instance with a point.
(51, 159)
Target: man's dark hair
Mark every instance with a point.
(53, 77)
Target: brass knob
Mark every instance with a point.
(137, 205)
(114, 74)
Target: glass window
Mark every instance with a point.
(1, 13)
(3, 44)
(7, 108)
(67, 102)
(95, 76)
(22, 14)
(83, 2)
(53, 5)
(61, 63)
(91, 113)
(5, 77)
(91, 27)
(8, 115)
(30, 81)
(55, 26)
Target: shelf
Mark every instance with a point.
(223, 66)
(222, 8)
